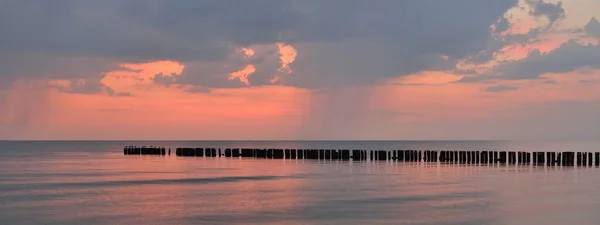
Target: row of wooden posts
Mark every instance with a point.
(459, 157)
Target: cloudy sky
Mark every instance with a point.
(299, 69)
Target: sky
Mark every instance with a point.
(299, 70)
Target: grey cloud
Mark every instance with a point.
(569, 56)
(352, 63)
(88, 86)
(123, 94)
(593, 28)
(393, 37)
(553, 12)
(499, 42)
(501, 88)
(197, 89)
(502, 25)
(479, 78)
(566, 58)
(163, 79)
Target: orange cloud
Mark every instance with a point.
(248, 52)
(427, 77)
(275, 79)
(150, 69)
(243, 74)
(287, 55)
(139, 76)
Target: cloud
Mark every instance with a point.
(164, 79)
(552, 12)
(372, 41)
(593, 28)
(566, 58)
(243, 74)
(85, 86)
(196, 89)
(287, 55)
(500, 88)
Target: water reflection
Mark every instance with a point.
(109, 188)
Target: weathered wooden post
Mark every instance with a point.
(278, 154)
(345, 155)
(511, 158)
(261, 153)
(335, 155)
(288, 154)
(568, 158)
(356, 155)
(381, 155)
(457, 157)
(469, 158)
(503, 157)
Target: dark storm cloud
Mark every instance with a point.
(391, 37)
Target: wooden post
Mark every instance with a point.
(503, 157)
(382, 155)
(356, 155)
(288, 153)
(278, 154)
(345, 155)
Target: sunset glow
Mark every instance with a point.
(261, 86)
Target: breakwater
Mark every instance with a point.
(565, 158)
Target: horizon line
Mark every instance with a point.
(283, 140)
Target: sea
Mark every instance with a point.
(92, 182)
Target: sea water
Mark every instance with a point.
(92, 182)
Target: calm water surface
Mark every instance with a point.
(94, 183)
